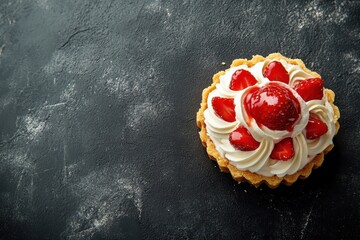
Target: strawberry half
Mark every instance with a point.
(275, 71)
(283, 150)
(315, 128)
(242, 79)
(310, 89)
(224, 108)
(242, 140)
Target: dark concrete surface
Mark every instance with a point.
(97, 119)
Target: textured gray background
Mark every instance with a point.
(97, 119)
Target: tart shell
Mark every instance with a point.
(247, 176)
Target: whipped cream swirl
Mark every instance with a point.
(259, 160)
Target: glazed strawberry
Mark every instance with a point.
(273, 106)
(315, 128)
(242, 79)
(310, 89)
(242, 140)
(224, 108)
(283, 150)
(275, 71)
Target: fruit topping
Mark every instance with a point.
(224, 108)
(242, 79)
(315, 128)
(275, 71)
(273, 106)
(283, 150)
(241, 139)
(310, 89)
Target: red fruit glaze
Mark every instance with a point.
(273, 106)
(242, 79)
(275, 71)
(315, 128)
(242, 140)
(224, 108)
(310, 89)
(283, 150)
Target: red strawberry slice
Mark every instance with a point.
(242, 140)
(283, 150)
(224, 108)
(275, 71)
(242, 79)
(273, 106)
(310, 89)
(315, 128)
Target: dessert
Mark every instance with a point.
(268, 120)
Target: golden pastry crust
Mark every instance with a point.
(254, 178)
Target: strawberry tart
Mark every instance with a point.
(268, 120)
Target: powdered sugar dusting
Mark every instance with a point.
(156, 7)
(145, 112)
(315, 12)
(34, 126)
(104, 196)
(18, 159)
(73, 60)
(355, 33)
(354, 62)
(1, 49)
(67, 95)
(19, 155)
(44, 4)
(149, 102)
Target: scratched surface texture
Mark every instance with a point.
(97, 119)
